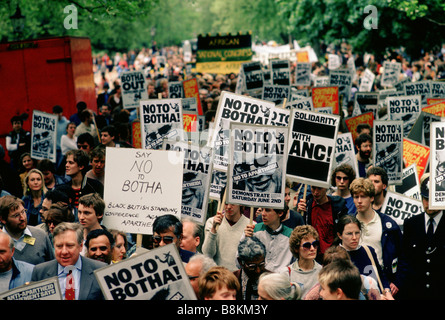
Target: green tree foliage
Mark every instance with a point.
(117, 25)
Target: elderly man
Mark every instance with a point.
(76, 273)
(13, 273)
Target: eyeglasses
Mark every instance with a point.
(166, 239)
(342, 178)
(19, 214)
(308, 245)
(193, 277)
(253, 266)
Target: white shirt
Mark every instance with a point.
(436, 220)
(372, 236)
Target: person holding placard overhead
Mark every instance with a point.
(420, 273)
(223, 233)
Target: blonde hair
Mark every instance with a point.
(26, 190)
(364, 185)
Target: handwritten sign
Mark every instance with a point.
(141, 185)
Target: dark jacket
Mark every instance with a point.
(338, 205)
(420, 273)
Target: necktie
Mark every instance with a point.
(69, 290)
(430, 230)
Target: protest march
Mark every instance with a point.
(199, 178)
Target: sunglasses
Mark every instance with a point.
(166, 239)
(342, 178)
(308, 245)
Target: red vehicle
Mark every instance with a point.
(41, 73)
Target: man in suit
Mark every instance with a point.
(68, 240)
(420, 273)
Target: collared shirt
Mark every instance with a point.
(63, 272)
(436, 220)
(372, 235)
(19, 244)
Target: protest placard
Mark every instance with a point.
(366, 101)
(276, 93)
(312, 139)
(388, 148)
(353, 122)
(367, 81)
(136, 134)
(416, 153)
(43, 136)
(279, 116)
(253, 78)
(189, 105)
(334, 61)
(437, 166)
(342, 78)
(217, 184)
(304, 103)
(400, 207)
(190, 121)
(422, 88)
(437, 89)
(197, 172)
(406, 109)
(48, 289)
(303, 74)
(160, 119)
(141, 185)
(134, 88)
(235, 108)
(437, 108)
(345, 151)
(297, 94)
(410, 186)
(191, 90)
(420, 132)
(434, 100)
(175, 89)
(321, 81)
(258, 167)
(280, 72)
(391, 72)
(326, 97)
(157, 274)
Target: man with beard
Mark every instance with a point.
(31, 244)
(252, 259)
(99, 244)
(363, 143)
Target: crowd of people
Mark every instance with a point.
(326, 243)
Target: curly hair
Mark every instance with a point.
(346, 169)
(298, 234)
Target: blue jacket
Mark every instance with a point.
(391, 245)
(21, 273)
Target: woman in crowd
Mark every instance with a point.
(56, 214)
(303, 244)
(27, 163)
(120, 246)
(349, 231)
(68, 141)
(34, 193)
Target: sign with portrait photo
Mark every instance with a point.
(388, 149)
(160, 119)
(197, 172)
(258, 167)
(437, 166)
(43, 136)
